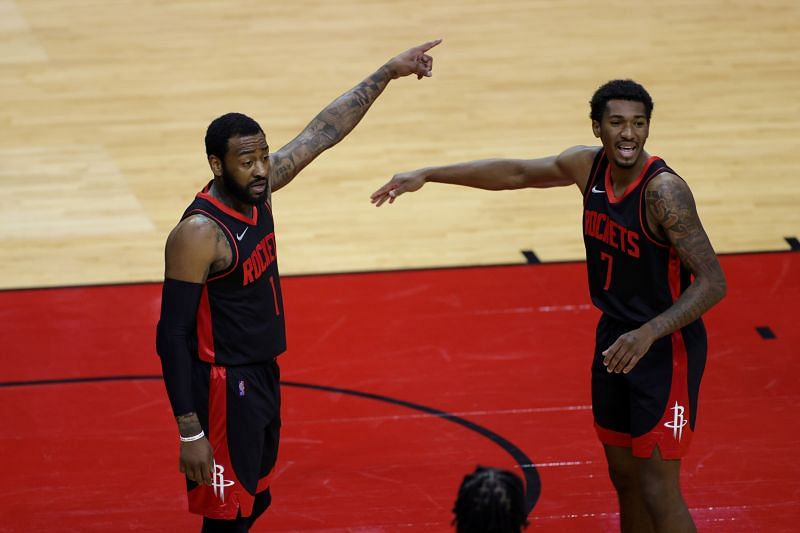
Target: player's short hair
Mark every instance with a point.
(490, 500)
(619, 90)
(225, 127)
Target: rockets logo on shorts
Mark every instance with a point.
(219, 482)
(678, 421)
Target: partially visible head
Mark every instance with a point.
(619, 90)
(238, 155)
(490, 500)
(226, 127)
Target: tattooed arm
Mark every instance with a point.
(334, 122)
(672, 214)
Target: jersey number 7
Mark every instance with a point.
(604, 256)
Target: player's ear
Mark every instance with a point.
(596, 128)
(216, 165)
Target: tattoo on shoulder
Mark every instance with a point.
(671, 204)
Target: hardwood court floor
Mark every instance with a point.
(105, 106)
(395, 385)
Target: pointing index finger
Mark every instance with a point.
(427, 46)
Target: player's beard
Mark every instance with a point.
(242, 194)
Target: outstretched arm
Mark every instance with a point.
(670, 204)
(568, 168)
(334, 122)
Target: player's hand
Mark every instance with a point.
(197, 461)
(626, 351)
(400, 183)
(413, 61)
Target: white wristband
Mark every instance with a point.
(194, 438)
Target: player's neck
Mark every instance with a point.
(621, 177)
(218, 191)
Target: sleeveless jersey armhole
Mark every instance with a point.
(230, 267)
(593, 173)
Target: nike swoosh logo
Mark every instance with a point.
(240, 237)
(595, 189)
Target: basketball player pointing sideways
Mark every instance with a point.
(652, 272)
(222, 321)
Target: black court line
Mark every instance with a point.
(532, 479)
(366, 272)
(67, 381)
(530, 257)
(766, 333)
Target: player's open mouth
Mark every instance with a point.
(258, 187)
(626, 151)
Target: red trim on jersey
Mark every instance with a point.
(226, 495)
(673, 433)
(674, 275)
(612, 438)
(205, 331)
(231, 240)
(252, 220)
(613, 198)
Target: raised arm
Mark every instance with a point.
(334, 122)
(671, 206)
(571, 167)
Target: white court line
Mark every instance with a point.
(559, 463)
(458, 414)
(540, 309)
(734, 508)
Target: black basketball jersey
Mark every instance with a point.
(633, 274)
(240, 319)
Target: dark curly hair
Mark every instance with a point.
(223, 128)
(490, 500)
(619, 90)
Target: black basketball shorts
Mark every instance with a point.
(655, 404)
(239, 410)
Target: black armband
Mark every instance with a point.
(176, 328)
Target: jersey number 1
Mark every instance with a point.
(275, 296)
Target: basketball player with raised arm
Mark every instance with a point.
(652, 273)
(222, 318)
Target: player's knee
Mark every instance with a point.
(623, 476)
(659, 492)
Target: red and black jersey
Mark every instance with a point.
(634, 275)
(240, 319)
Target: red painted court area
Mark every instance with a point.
(374, 360)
